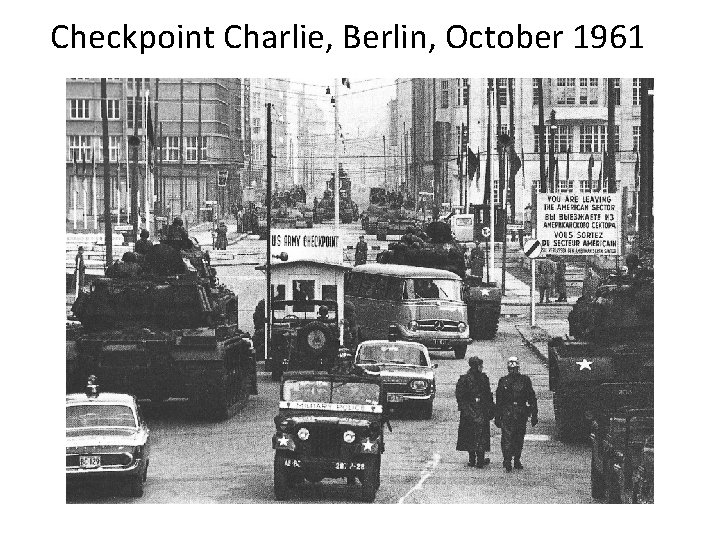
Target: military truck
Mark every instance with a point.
(436, 248)
(164, 328)
(610, 340)
(608, 400)
(619, 453)
(329, 425)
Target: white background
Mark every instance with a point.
(680, 51)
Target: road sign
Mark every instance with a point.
(514, 227)
(532, 248)
(222, 178)
(210, 202)
(485, 232)
(120, 228)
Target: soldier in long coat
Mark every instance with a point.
(516, 401)
(546, 279)
(475, 402)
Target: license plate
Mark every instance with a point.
(89, 462)
(342, 466)
(440, 342)
(292, 463)
(395, 398)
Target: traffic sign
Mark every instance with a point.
(485, 232)
(532, 248)
(222, 178)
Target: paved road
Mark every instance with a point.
(231, 462)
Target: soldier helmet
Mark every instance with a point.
(474, 361)
(144, 234)
(177, 221)
(513, 362)
(323, 311)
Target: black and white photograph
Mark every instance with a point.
(360, 290)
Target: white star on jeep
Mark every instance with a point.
(367, 445)
(585, 364)
(283, 441)
(485, 292)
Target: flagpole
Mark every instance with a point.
(84, 200)
(491, 266)
(147, 160)
(75, 188)
(340, 290)
(117, 189)
(94, 194)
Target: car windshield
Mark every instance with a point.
(432, 289)
(99, 415)
(347, 392)
(390, 353)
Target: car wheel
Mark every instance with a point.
(137, 485)
(281, 485)
(425, 410)
(460, 351)
(371, 479)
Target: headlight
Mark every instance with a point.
(412, 326)
(303, 434)
(418, 385)
(349, 436)
(462, 327)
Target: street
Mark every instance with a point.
(231, 461)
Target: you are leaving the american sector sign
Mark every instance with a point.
(579, 223)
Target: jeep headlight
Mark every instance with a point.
(349, 436)
(303, 434)
(462, 326)
(418, 385)
(413, 326)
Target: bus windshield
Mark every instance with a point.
(432, 289)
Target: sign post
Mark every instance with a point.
(532, 250)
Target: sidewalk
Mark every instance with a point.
(204, 233)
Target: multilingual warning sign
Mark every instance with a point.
(323, 245)
(579, 223)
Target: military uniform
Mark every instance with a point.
(515, 400)
(361, 252)
(475, 401)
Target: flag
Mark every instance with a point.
(515, 162)
(150, 133)
(557, 174)
(345, 82)
(600, 177)
(82, 150)
(591, 163)
(473, 163)
(567, 170)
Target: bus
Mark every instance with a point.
(423, 305)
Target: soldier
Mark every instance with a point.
(221, 242)
(80, 268)
(475, 402)
(143, 245)
(477, 261)
(546, 281)
(515, 400)
(177, 236)
(323, 314)
(361, 249)
(560, 285)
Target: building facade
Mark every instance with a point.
(202, 140)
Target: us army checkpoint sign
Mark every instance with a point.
(579, 223)
(322, 245)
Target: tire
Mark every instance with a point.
(137, 485)
(568, 420)
(371, 479)
(611, 493)
(460, 351)
(597, 482)
(281, 483)
(488, 329)
(425, 410)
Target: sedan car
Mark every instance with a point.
(405, 371)
(105, 437)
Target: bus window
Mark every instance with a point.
(278, 292)
(432, 289)
(379, 289)
(395, 289)
(329, 292)
(365, 286)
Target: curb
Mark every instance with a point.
(532, 346)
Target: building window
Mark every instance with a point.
(617, 138)
(444, 93)
(191, 149)
(457, 137)
(636, 138)
(565, 91)
(329, 293)
(617, 92)
(171, 149)
(114, 148)
(636, 91)
(79, 147)
(563, 139)
(502, 91)
(79, 108)
(256, 126)
(536, 91)
(585, 185)
(592, 139)
(462, 91)
(138, 111)
(466, 90)
(588, 94)
(256, 100)
(113, 109)
(504, 129)
(496, 191)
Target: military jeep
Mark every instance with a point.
(329, 426)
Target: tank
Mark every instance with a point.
(163, 328)
(610, 340)
(436, 248)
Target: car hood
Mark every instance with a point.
(104, 437)
(345, 420)
(388, 372)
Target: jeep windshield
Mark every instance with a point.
(346, 392)
(432, 289)
(99, 416)
(390, 353)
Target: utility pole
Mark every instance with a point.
(551, 152)
(610, 165)
(340, 289)
(645, 203)
(466, 143)
(134, 191)
(268, 198)
(385, 162)
(501, 181)
(182, 151)
(511, 132)
(156, 183)
(198, 146)
(541, 140)
(106, 172)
